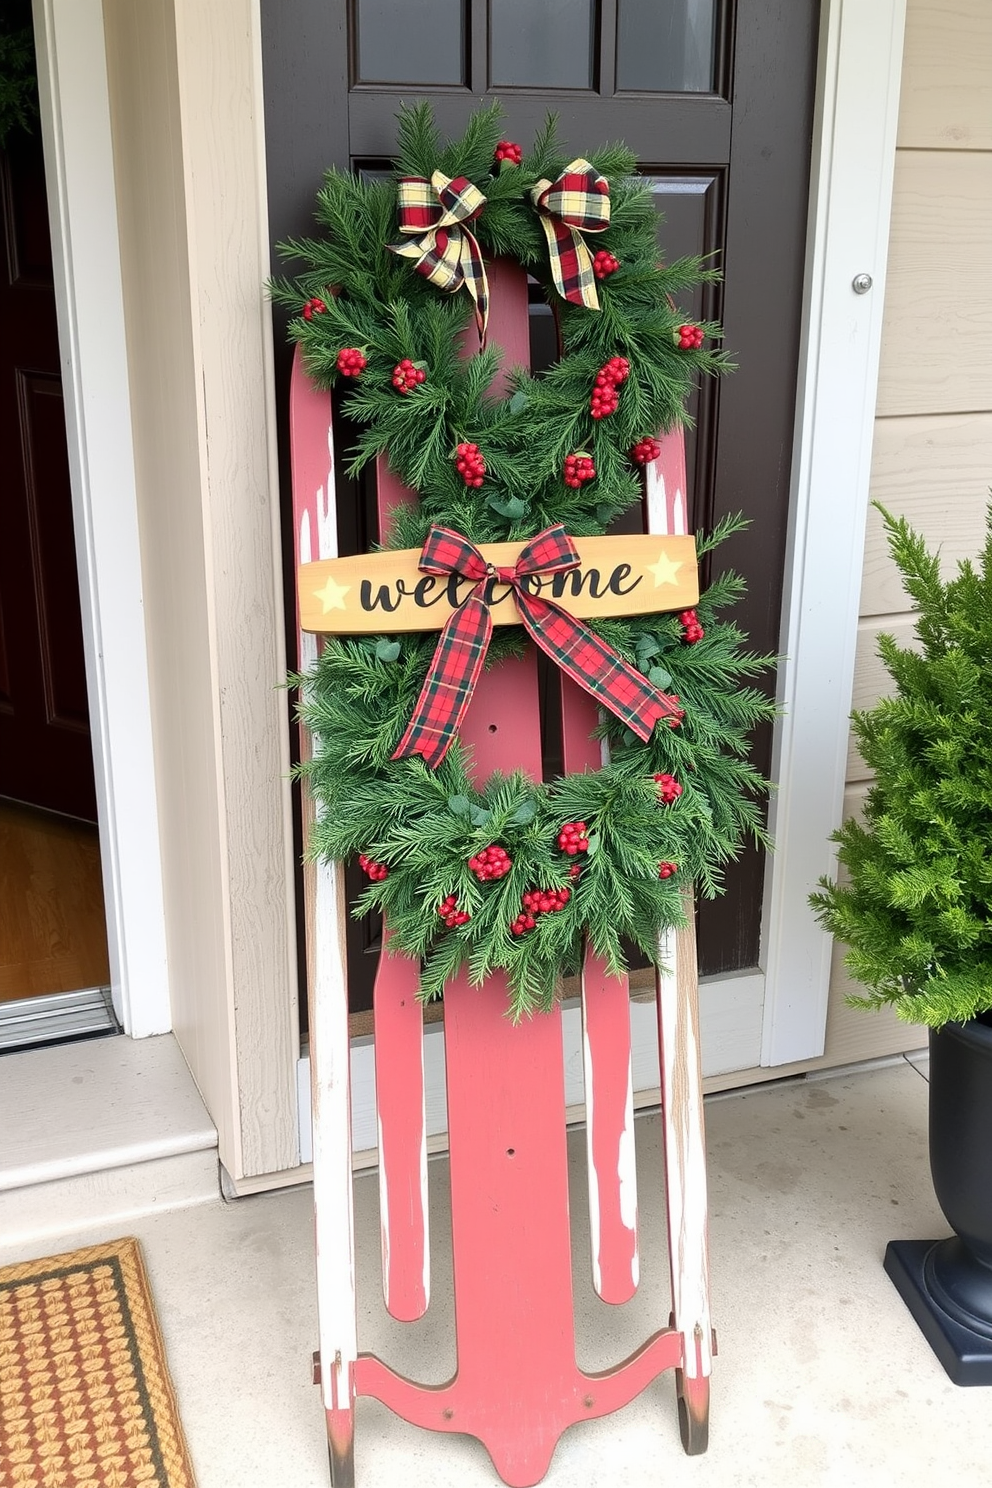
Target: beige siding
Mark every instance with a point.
(935, 470)
(945, 78)
(932, 457)
(937, 332)
(191, 204)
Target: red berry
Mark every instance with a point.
(572, 838)
(604, 400)
(645, 450)
(667, 870)
(691, 628)
(492, 862)
(507, 150)
(669, 789)
(689, 337)
(351, 362)
(470, 464)
(313, 307)
(578, 469)
(376, 871)
(451, 914)
(406, 376)
(604, 264)
(575, 870)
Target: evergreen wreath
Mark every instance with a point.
(516, 875)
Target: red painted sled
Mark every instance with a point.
(517, 1386)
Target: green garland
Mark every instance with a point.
(424, 825)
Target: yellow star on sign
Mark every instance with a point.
(332, 595)
(664, 570)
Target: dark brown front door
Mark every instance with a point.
(715, 97)
(45, 754)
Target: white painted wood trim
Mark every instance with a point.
(850, 199)
(75, 118)
(686, 1205)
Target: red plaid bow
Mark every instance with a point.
(461, 648)
(447, 252)
(578, 202)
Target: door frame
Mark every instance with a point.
(859, 69)
(859, 73)
(79, 169)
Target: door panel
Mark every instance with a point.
(52, 550)
(715, 99)
(45, 752)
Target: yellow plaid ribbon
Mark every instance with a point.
(577, 202)
(445, 251)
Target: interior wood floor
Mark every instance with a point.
(53, 935)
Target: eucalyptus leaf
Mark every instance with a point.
(479, 816)
(459, 805)
(524, 814)
(519, 401)
(659, 676)
(387, 650)
(593, 840)
(513, 508)
(645, 647)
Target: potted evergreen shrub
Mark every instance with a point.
(915, 910)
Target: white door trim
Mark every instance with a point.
(859, 74)
(79, 166)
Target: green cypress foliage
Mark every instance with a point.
(915, 905)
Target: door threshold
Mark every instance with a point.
(57, 1018)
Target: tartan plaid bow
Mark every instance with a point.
(462, 645)
(447, 253)
(577, 202)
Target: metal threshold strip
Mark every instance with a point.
(58, 1018)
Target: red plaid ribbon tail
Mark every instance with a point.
(577, 202)
(585, 657)
(450, 682)
(461, 648)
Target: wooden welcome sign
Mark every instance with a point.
(387, 592)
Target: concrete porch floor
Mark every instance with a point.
(822, 1376)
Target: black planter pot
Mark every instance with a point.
(947, 1284)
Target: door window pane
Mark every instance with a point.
(547, 45)
(665, 46)
(400, 42)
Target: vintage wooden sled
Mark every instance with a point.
(517, 1386)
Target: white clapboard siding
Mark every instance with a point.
(947, 76)
(935, 470)
(937, 331)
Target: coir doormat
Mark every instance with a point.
(85, 1394)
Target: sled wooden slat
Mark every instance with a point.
(611, 1173)
(315, 534)
(402, 1126)
(404, 1227)
(681, 1075)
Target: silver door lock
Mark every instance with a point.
(861, 283)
